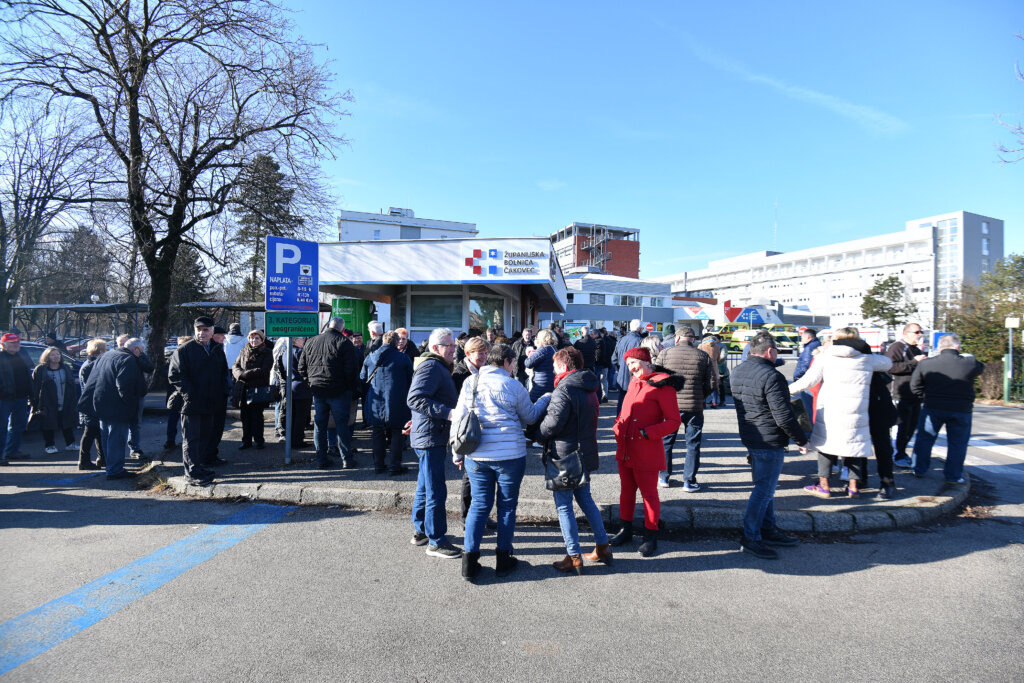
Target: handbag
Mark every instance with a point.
(467, 433)
(263, 394)
(800, 412)
(566, 472)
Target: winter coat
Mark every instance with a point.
(115, 388)
(606, 352)
(629, 341)
(15, 375)
(901, 353)
(588, 349)
(946, 381)
(329, 364)
(375, 343)
(44, 399)
(522, 349)
(763, 411)
(841, 423)
(463, 371)
(804, 361)
(571, 418)
(503, 408)
(385, 404)
(542, 363)
(650, 405)
(300, 390)
(83, 377)
(253, 365)
(694, 367)
(431, 399)
(200, 375)
(233, 345)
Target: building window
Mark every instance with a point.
(597, 299)
(984, 246)
(437, 311)
(376, 234)
(657, 302)
(984, 227)
(568, 298)
(487, 312)
(398, 311)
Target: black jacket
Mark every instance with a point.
(607, 351)
(571, 418)
(946, 381)
(15, 376)
(44, 398)
(588, 349)
(763, 410)
(521, 347)
(200, 376)
(115, 388)
(329, 364)
(900, 353)
(253, 365)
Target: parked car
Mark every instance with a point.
(35, 350)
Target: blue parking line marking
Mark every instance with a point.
(46, 626)
(66, 481)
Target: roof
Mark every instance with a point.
(86, 308)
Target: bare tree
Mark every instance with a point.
(183, 93)
(45, 167)
(1014, 152)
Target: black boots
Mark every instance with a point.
(470, 566)
(650, 544)
(506, 562)
(625, 534)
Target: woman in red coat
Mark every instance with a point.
(649, 412)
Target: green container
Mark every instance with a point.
(356, 313)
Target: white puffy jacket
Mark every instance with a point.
(504, 408)
(841, 418)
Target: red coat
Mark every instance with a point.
(650, 405)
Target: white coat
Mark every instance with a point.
(841, 419)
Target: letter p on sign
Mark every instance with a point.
(286, 253)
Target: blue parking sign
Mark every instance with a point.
(293, 275)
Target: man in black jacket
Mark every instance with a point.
(523, 348)
(946, 383)
(329, 365)
(587, 346)
(199, 373)
(605, 352)
(15, 386)
(113, 393)
(766, 426)
(904, 354)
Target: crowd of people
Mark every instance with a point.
(509, 395)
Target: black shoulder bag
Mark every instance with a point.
(566, 472)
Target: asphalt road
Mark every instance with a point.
(331, 594)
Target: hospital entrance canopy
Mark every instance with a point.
(522, 271)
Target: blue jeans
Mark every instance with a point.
(603, 381)
(135, 431)
(323, 408)
(483, 475)
(808, 400)
(13, 418)
(694, 430)
(114, 437)
(428, 511)
(958, 433)
(765, 468)
(567, 517)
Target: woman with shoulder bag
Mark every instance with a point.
(649, 413)
(54, 399)
(569, 430)
(252, 369)
(502, 407)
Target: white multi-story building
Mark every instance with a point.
(398, 224)
(933, 256)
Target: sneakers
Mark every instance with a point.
(776, 538)
(123, 474)
(691, 487)
(664, 482)
(903, 463)
(51, 449)
(333, 452)
(445, 551)
(399, 472)
(71, 447)
(419, 539)
(961, 480)
(758, 549)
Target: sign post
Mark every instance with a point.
(1011, 325)
(292, 303)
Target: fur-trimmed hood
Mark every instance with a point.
(662, 376)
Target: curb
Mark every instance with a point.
(676, 517)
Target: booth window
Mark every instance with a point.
(397, 311)
(437, 311)
(486, 312)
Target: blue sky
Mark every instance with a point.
(685, 120)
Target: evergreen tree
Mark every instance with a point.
(189, 282)
(888, 303)
(262, 206)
